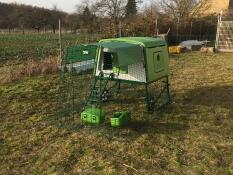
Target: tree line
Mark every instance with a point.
(23, 17)
(180, 17)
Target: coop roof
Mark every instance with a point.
(127, 53)
(129, 49)
(143, 41)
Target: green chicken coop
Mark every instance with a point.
(139, 60)
(132, 60)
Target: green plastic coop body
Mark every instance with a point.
(133, 59)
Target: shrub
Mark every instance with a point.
(30, 68)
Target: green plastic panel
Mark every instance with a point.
(157, 63)
(143, 41)
(81, 53)
(127, 53)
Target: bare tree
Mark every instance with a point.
(115, 9)
(230, 7)
(88, 20)
(54, 18)
(180, 9)
(80, 7)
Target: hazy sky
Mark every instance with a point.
(65, 5)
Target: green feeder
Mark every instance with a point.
(120, 119)
(93, 116)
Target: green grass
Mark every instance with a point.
(193, 135)
(21, 47)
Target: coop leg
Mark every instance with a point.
(168, 90)
(147, 98)
(119, 86)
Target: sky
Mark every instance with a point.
(64, 5)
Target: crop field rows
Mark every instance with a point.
(21, 47)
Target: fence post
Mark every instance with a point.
(156, 27)
(177, 29)
(120, 32)
(60, 43)
(191, 30)
(218, 26)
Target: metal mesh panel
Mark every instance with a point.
(107, 61)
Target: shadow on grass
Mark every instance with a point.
(65, 121)
(137, 107)
(136, 126)
(157, 127)
(218, 96)
(211, 96)
(207, 96)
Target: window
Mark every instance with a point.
(107, 60)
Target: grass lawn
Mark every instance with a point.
(193, 135)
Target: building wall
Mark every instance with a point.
(216, 6)
(230, 4)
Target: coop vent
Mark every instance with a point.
(108, 58)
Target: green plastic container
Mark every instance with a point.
(93, 116)
(120, 119)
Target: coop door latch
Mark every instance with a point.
(85, 52)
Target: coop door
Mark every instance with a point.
(158, 61)
(108, 61)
